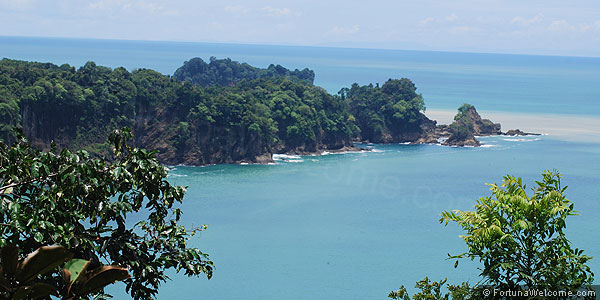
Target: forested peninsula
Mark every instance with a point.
(216, 112)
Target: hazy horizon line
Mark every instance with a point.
(296, 45)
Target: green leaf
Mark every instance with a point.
(38, 237)
(41, 261)
(98, 278)
(75, 267)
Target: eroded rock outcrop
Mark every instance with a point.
(467, 125)
(518, 132)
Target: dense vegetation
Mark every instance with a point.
(520, 241)
(191, 124)
(226, 72)
(87, 204)
(463, 128)
(390, 113)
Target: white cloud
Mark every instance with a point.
(343, 30)
(451, 18)
(527, 22)
(565, 27)
(464, 30)
(276, 12)
(447, 19)
(16, 4)
(427, 20)
(153, 8)
(236, 9)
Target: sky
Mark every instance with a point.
(547, 27)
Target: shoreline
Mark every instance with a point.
(564, 127)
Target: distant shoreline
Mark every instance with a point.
(578, 128)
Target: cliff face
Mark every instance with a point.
(205, 145)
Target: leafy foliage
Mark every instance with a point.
(462, 127)
(463, 110)
(78, 109)
(391, 109)
(432, 290)
(226, 72)
(520, 239)
(19, 278)
(83, 204)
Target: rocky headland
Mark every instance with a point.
(221, 112)
(463, 132)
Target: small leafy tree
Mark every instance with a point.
(433, 290)
(520, 239)
(83, 203)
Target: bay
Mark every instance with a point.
(358, 225)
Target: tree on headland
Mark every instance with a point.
(519, 239)
(226, 72)
(245, 120)
(387, 111)
(84, 204)
(463, 110)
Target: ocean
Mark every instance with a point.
(359, 225)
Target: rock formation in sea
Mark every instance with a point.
(518, 132)
(467, 125)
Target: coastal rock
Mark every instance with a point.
(481, 127)
(518, 132)
(461, 142)
(461, 133)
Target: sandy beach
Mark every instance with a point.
(564, 127)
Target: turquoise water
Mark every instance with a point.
(524, 83)
(358, 225)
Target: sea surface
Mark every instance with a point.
(358, 225)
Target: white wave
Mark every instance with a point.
(325, 153)
(521, 140)
(488, 146)
(285, 157)
(176, 175)
(356, 151)
(376, 150)
(295, 160)
(243, 163)
(406, 143)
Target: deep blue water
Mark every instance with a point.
(358, 225)
(501, 82)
